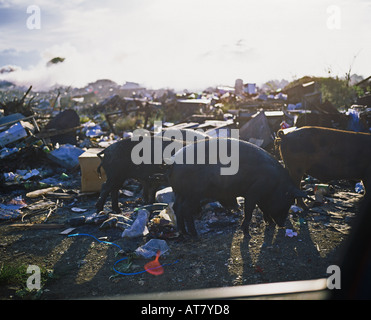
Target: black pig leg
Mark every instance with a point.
(115, 200)
(296, 178)
(105, 190)
(192, 209)
(145, 192)
(115, 183)
(179, 212)
(149, 191)
(250, 204)
(190, 225)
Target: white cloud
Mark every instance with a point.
(190, 44)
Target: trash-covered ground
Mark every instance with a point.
(85, 265)
(49, 187)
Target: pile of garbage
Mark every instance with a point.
(49, 141)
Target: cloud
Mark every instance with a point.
(75, 70)
(180, 44)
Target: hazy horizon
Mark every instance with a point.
(182, 44)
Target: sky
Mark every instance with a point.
(183, 44)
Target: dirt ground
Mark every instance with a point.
(82, 267)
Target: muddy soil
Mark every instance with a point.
(82, 267)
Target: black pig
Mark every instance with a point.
(260, 178)
(326, 154)
(117, 162)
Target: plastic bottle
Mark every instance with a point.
(64, 176)
(46, 149)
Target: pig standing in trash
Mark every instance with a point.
(117, 162)
(259, 178)
(326, 154)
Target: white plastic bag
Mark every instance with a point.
(139, 227)
(151, 247)
(165, 195)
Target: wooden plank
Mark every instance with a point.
(37, 225)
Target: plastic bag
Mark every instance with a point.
(359, 187)
(139, 227)
(151, 247)
(168, 213)
(165, 195)
(290, 233)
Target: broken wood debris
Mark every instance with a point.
(40, 207)
(51, 210)
(37, 225)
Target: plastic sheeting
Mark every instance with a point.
(257, 131)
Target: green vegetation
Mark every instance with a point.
(128, 122)
(16, 275)
(13, 274)
(335, 90)
(56, 60)
(338, 92)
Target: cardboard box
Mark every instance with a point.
(89, 162)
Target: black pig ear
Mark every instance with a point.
(297, 193)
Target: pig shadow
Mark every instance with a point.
(85, 264)
(283, 258)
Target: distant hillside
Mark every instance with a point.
(335, 90)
